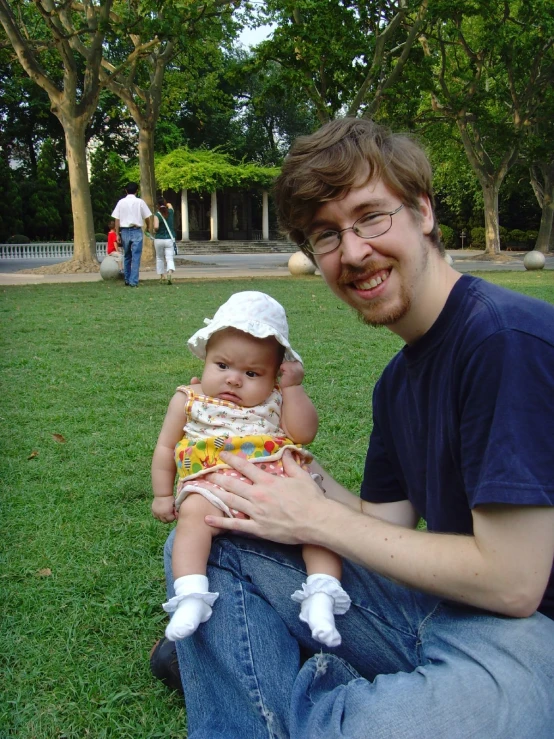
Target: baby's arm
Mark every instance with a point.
(163, 461)
(298, 416)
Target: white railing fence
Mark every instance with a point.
(52, 250)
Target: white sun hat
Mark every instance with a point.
(253, 312)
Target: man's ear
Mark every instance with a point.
(426, 214)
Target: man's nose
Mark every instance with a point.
(353, 249)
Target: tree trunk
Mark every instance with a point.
(84, 253)
(147, 184)
(544, 191)
(492, 226)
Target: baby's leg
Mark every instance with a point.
(322, 596)
(192, 604)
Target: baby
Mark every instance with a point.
(239, 407)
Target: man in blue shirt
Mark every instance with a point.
(451, 630)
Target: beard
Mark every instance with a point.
(383, 311)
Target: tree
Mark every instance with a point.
(25, 118)
(541, 157)
(73, 42)
(11, 220)
(143, 38)
(45, 205)
(489, 64)
(348, 72)
(108, 177)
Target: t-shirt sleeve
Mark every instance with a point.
(507, 421)
(115, 213)
(145, 210)
(380, 483)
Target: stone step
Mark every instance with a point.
(236, 247)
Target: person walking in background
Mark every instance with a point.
(129, 214)
(164, 241)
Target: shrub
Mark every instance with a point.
(478, 237)
(517, 235)
(531, 237)
(18, 239)
(447, 237)
(101, 237)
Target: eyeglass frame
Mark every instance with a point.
(309, 248)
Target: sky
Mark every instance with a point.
(253, 36)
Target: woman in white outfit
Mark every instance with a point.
(164, 240)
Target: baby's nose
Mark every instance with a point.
(233, 378)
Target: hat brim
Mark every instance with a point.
(260, 330)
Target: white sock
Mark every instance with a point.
(191, 606)
(321, 598)
(317, 612)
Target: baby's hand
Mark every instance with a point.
(292, 373)
(164, 508)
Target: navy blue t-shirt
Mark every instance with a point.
(465, 416)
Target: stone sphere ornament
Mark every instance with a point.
(534, 260)
(109, 268)
(300, 264)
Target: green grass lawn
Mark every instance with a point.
(87, 372)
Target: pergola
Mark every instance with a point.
(210, 171)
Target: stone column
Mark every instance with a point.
(265, 216)
(185, 236)
(213, 217)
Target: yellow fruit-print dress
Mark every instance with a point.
(214, 426)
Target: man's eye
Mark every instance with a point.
(371, 218)
(251, 373)
(324, 236)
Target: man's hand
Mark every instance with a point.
(164, 509)
(278, 508)
(292, 373)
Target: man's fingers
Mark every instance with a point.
(291, 466)
(246, 468)
(239, 525)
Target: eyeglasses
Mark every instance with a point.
(369, 226)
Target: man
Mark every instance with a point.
(450, 633)
(129, 213)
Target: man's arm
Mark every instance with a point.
(116, 229)
(503, 567)
(401, 512)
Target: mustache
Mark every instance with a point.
(353, 274)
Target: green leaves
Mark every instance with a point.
(206, 171)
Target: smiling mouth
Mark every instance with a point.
(372, 282)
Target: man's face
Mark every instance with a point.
(382, 277)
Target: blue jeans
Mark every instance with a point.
(410, 666)
(131, 240)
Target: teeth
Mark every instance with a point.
(372, 283)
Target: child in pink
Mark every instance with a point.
(250, 401)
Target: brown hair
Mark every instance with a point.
(162, 206)
(326, 164)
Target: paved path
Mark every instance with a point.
(212, 266)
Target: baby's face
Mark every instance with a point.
(240, 368)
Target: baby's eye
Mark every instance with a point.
(251, 373)
(222, 365)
